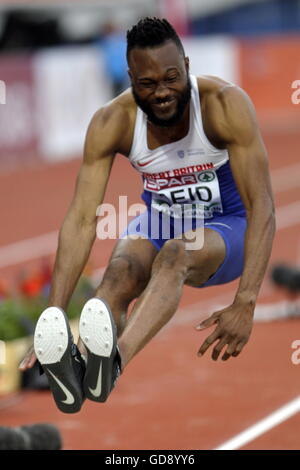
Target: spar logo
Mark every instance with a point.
(206, 177)
(180, 180)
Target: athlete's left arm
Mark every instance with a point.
(236, 125)
(249, 165)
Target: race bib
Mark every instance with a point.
(193, 195)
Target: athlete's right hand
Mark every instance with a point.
(29, 360)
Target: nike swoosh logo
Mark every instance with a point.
(146, 163)
(96, 392)
(69, 397)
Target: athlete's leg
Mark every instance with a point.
(172, 267)
(126, 276)
(202, 264)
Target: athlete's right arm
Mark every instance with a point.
(78, 231)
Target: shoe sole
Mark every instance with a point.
(52, 343)
(97, 331)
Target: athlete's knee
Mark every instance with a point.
(203, 264)
(127, 271)
(172, 256)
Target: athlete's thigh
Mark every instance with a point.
(138, 254)
(203, 262)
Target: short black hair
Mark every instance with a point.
(152, 32)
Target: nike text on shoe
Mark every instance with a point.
(98, 332)
(60, 359)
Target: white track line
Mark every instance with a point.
(288, 215)
(286, 178)
(29, 249)
(33, 248)
(282, 414)
(44, 245)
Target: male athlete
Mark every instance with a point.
(195, 142)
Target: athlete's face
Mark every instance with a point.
(160, 82)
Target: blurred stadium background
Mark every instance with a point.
(60, 62)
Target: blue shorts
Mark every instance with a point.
(232, 229)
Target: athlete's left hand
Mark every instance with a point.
(234, 325)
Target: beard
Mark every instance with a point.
(182, 101)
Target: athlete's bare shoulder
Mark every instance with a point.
(113, 124)
(210, 84)
(227, 110)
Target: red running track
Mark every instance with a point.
(167, 398)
